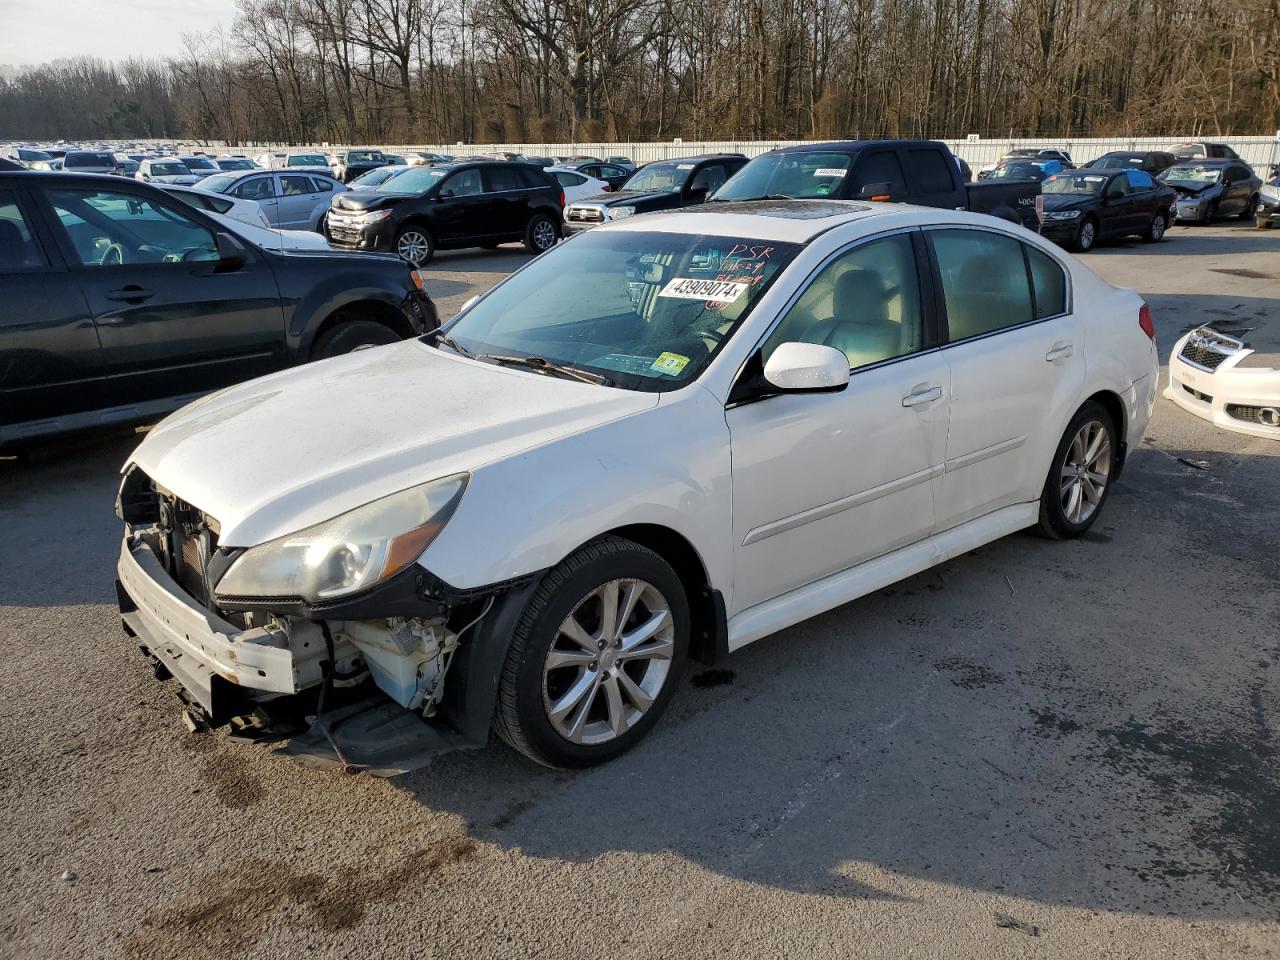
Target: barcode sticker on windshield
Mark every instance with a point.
(717, 291)
(830, 172)
(1095, 179)
(684, 166)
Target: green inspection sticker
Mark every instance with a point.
(670, 364)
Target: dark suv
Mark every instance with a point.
(477, 203)
(122, 303)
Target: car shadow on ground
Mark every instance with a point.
(1009, 721)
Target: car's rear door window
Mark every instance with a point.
(984, 281)
(295, 186)
(930, 171)
(880, 167)
(1048, 283)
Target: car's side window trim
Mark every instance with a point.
(945, 331)
(37, 229)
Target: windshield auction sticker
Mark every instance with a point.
(713, 291)
(830, 172)
(670, 364)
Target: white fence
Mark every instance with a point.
(1259, 151)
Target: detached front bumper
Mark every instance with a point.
(1241, 399)
(221, 666)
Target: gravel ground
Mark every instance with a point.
(1040, 749)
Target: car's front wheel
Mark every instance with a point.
(1081, 473)
(415, 245)
(1086, 235)
(596, 656)
(348, 335)
(1155, 230)
(1251, 210)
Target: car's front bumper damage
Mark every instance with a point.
(411, 666)
(1224, 380)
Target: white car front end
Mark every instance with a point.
(1225, 380)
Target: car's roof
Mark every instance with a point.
(695, 159)
(1096, 171)
(851, 145)
(1205, 161)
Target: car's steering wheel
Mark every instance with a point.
(113, 256)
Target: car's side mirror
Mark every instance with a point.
(807, 368)
(1114, 194)
(876, 191)
(231, 252)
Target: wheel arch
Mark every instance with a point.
(375, 310)
(1114, 405)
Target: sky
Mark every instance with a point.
(37, 31)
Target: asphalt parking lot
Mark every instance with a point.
(1039, 749)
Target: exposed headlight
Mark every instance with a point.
(617, 213)
(371, 216)
(1062, 215)
(351, 552)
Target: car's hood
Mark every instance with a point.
(628, 198)
(184, 180)
(369, 199)
(275, 455)
(1065, 201)
(1190, 189)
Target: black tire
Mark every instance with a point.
(1156, 228)
(537, 237)
(1210, 214)
(1086, 236)
(351, 335)
(414, 244)
(1251, 210)
(322, 225)
(525, 689)
(1055, 522)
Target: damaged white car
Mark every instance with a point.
(664, 439)
(1232, 382)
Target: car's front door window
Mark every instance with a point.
(255, 188)
(463, 184)
(110, 229)
(865, 303)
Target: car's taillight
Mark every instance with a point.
(606, 189)
(561, 199)
(1146, 323)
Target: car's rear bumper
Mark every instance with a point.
(220, 665)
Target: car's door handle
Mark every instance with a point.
(921, 395)
(1060, 351)
(130, 294)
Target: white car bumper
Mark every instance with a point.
(1205, 378)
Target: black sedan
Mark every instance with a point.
(1081, 207)
(479, 203)
(1152, 161)
(122, 303)
(1209, 189)
(666, 185)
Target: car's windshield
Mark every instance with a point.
(1112, 161)
(1017, 171)
(805, 176)
(375, 177)
(365, 156)
(1077, 184)
(199, 163)
(218, 184)
(89, 160)
(646, 310)
(413, 180)
(233, 163)
(306, 160)
(661, 177)
(1193, 174)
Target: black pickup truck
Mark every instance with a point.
(923, 172)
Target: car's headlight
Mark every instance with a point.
(371, 216)
(349, 553)
(617, 213)
(1063, 215)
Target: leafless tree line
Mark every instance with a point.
(438, 71)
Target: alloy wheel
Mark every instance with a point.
(544, 235)
(1157, 227)
(1087, 234)
(413, 246)
(608, 662)
(1086, 470)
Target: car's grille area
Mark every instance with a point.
(1207, 398)
(1207, 348)
(584, 215)
(183, 536)
(343, 230)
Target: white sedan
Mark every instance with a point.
(577, 185)
(664, 440)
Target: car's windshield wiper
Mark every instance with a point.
(543, 365)
(763, 196)
(453, 345)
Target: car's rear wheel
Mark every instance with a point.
(1086, 235)
(596, 656)
(1080, 476)
(541, 234)
(415, 245)
(1155, 230)
(350, 335)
